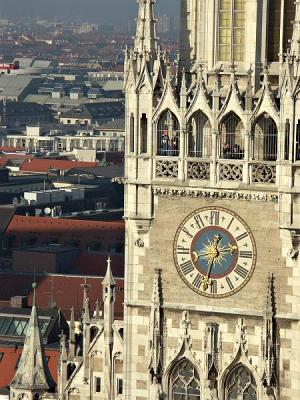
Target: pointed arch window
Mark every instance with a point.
(232, 30)
(168, 135)
(185, 382)
(199, 134)
(232, 137)
(240, 385)
(265, 139)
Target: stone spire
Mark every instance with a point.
(270, 337)
(109, 285)
(156, 329)
(145, 39)
(33, 374)
(72, 338)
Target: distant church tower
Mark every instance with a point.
(212, 204)
(32, 380)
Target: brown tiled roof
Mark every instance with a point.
(64, 290)
(44, 164)
(66, 230)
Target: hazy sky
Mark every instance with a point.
(96, 10)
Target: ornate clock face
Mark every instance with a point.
(214, 252)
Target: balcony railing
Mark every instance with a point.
(195, 169)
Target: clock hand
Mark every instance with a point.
(198, 254)
(206, 281)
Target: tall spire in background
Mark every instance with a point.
(33, 373)
(145, 39)
(109, 288)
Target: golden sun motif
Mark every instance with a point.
(214, 252)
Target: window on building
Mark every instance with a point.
(265, 139)
(274, 30)
(144, 134)
(95, 246)
(232, 137)
(168, 135)
(70, 369)
(185, 383)
(119, 386)
(199, 131)
(289, 17)
(240, 384)
(97, 384)
(274, 24)
(298, 141)
(287, 139)
(131, 133)
(232, 30)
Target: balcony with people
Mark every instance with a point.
(168, 135)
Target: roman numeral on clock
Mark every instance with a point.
(229, 283)
(214, 286)
(242, 236)
(246, 254)
(197, 281)
(187, 233)
(241, 271)
(199, 221)
(182, 250)
(230, 223)
(214, 218)
(187, 267)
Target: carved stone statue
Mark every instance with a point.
(214, 394)
(211, 392)
(155, 390)
(269, 394)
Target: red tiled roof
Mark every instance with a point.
(66, 290)
(43, 165)
(66, 230)
(67, 293)
(79, 233)
(10, 358)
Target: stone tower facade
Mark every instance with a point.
(212, 306)
(91, 360)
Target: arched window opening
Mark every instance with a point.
(168, 135)
(93, 332)
(265, 139)
(298, 141)
(240, 385)
(70, 369)
(232, 137)
(185, 382)
(199, 131)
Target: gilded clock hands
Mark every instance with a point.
(212, 255)
(231, 248)
(205, 280)
(214, 252)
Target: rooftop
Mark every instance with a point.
(43, 165)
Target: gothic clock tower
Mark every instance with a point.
(212, 298)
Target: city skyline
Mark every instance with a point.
(91, 10)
